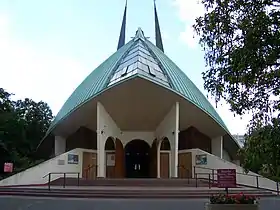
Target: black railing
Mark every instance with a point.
(185, 171)
(89, 170)
(49, 175)
(210, 176)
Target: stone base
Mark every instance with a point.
(232, 207)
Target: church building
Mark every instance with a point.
(137, 115)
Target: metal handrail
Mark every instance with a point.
(87, 170)
(236, 172)
(64, 178)
(187, 170)
(213, 180)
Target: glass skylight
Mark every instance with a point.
(139, 61)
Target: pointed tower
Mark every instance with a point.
(157, 30)
(123, 27)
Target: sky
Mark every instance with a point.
(47, 48)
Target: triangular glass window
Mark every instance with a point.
(139, 61)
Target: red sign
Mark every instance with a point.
(226, 178)
(8, 167)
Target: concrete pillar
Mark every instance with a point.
(100, 156)
(106, 127)
(217, 146)
(158, 159)
(59, 145)
(174, 145)
(101, 139)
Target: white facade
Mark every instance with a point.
(167, 128)
(107, 127)
(217, 146)
(38, 174)
(59, 145)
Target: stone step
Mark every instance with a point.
(108, 192)
(131, 182)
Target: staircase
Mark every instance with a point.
(131, 182)
(127, 188)
(117, 192)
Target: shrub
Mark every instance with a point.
(233, 199)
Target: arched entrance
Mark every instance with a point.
(137, 159)
(110, 157)
(165, 158)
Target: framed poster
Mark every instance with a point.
(8, 167)
(73, 159)
(226, 178)
(201, 159)
(110, 159)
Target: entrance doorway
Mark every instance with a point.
(137, 159)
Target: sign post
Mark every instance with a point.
(226, 178)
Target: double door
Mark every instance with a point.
(137, 165)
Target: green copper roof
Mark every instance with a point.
(139, 57)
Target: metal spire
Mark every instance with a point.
(157, 30)
(123, 27)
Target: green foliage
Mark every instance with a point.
(240, 198)
(23, 123)
(241, 40)
(261, 149)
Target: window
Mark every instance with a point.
(157, 74)
(148, 57)
(143, 67)
(128, 62)
(144, 50)
(133, 50)
(123, 71)
(139, 61)
(131, 67)
(128, 57)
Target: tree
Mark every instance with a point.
(36, 118)
(261, 148)
(241, 39)
(23, 123)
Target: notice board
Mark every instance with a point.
(226, 178)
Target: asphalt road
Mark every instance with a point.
(30, 203)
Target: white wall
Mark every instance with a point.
(59, 145)
(105, 123)
(106, 127)
(214, 162)
(127, 136)
(217, 146)
(169, 128)
(226, 156)
(35, 174)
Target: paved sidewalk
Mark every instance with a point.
(29, 203)
(141, 188)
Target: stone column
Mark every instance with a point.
(158, 159)
(217, 146)
(59, 145)
(174, 144)
(100, 156)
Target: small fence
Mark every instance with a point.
(203, 175)
(49, 175)
(242, 179)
